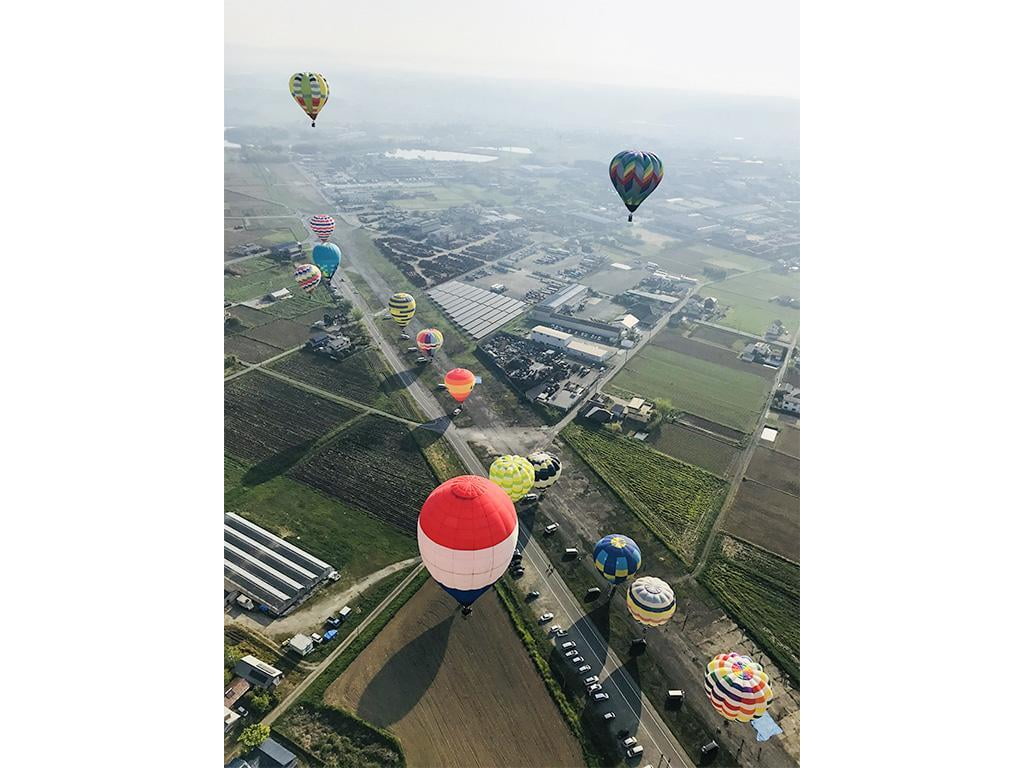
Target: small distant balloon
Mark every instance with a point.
(402, 307)
(460, 383)
(310, 91)
(322, 226)
(308, 277)
(635, 175)
(327, 256)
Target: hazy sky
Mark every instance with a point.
(728, 46)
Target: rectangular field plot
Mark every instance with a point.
(768, 517)
(671, 338)
(695, 447)
(752, 315)
(456, 692)
(375, 465)
(362, 376)
(283, 334)
(711, 391)
(762, 594)
(249, 350)
(299, 304)
(257, 279)
(265, 417)
(775, 469)
(723, 338)
(788, 441)
(763, 284)
(677, 501)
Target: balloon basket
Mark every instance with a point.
(638, 646)
(466, 610)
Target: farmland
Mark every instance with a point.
(249, 350)
(362, 376)
(347, 538)
(788, 440)
(671, 339)
(677, 501)
(775, 469)
(752, 315)
(375, 465)
(338, 739)
(258, 277)
(767, 517)
(283, 334)
(695, 447)
(720, 336)
(265, 418)
(432, 678)
(299, 304)
(762, 593)
(721, 394)
(764, 284)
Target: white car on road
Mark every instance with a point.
(545, 617)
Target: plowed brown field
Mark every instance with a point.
(456, 692)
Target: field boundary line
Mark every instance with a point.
(758, 547)
(296, 692)
(769, 485)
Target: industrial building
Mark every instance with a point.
(572, 294)
(585, 350)
(267, 568)
(657, 299)
(610, 332)
(474, 310)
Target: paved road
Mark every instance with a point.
(292, 697)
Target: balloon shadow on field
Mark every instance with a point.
(275, 465)
(406, 676)
(600, 617)
(394, 382)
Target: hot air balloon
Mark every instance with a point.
(308, 277)
(513, 474)
(546, 469)
(737, 687)
(635, 175)
(402, 307)
(467, 531)
(322, 226)
(429, 340)
(310, 91)
(617, 557)
(650, 601)
(460, 383)
(327, 256)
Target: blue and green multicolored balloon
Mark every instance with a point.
(327, 256)
(617, 557)
(635, 175)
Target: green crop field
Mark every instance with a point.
(265, 418)
(695, 447)
(720, 337)
(762, 593)
(677, 501)
(715, 392)
(362, 376)
(763, 284)
(355, 543)
(752, 315)
(257, 279)
(375, 465)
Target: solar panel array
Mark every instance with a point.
(474, 310)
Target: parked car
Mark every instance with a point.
(594, 688)
(635, 751)
(532, 595)
(570, 644)
(456, 412)
(601, 696)
(412, 349)
(549, 529)
(584, 669)
(590, 680)
(316, 638)
(530, 498)
(561, 633)
(330, 634)
(556, 628)
(421, 359)
(546, 617)
(403, 336)
(518, 571)
(442, 385)
(333, 621)
(609, 715)
(593, 593)
(576, 659)
(629, 741)
(242, 711)
(343, 614)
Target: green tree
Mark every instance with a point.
(232, 655)
(663, 404)
(260, 702)
(254, 735)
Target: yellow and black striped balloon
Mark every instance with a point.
(402, 307)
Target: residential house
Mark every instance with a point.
(257, 672)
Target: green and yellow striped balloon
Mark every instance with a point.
(513, 474)
(402, 307)
(310, 91)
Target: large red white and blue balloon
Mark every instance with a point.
(467, 532)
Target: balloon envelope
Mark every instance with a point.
(737, 687)
(460, 383)
(635, 175)
(467, 531)
(402, 307)
(310, 91)
(546, 469)
(322, 226)
(617, 557)
(651, 601)
(513, 474)
(308, 277)
(429, 340)
(327, 256)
